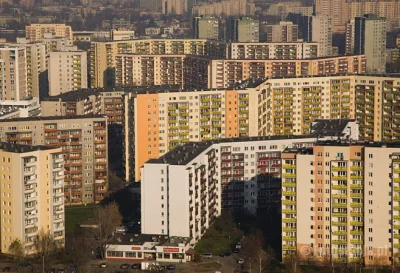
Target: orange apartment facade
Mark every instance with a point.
(83, 140)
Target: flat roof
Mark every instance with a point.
(183, 154)
(141, 239)
(330, 127)
(38, 118)
(19, 148)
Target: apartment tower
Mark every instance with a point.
(32, 195)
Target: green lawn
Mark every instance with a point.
(75, 215)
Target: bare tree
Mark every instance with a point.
(16, 249)
(292, 263)
(78, 249)
(253, 252)
(45, 245)
(103, 225)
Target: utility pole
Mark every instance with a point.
(43, 263)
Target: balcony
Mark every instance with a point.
(356, 177)
(356, 223)
(289, 238)
(339, 205)
(356, 232)
(356, 186)
(357, 242)
(339, 187)
(336, 169)
(289, 211)
(289, 202)
(289, 175)
(337, 178)
(289, 229)
(288, 247)
(339, 223)
(342, 196)
(337, 232)
(339, 242)
(289, 220)
(289, 193)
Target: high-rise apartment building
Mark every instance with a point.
(32, 195)
(13, 73)
(340, 200)
(208, 27)
(67, 70)
(102, 69)
(184, 190)
(36, 32)
(284, 32)
(225, 8)
(336, 9)
(173, 118)
(83, 140)
(244, 30)
(174, 7)
(367, 35)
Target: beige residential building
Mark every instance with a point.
(284, 32)
(208, 27)
(340, 200)
(245, 30)
(103, 54)
(225, 8)
(336, 9)
(67, 70)
(83, 140)
(13, 73)
(36, 32)
(321, 32)
(174, 7)
(32, 195)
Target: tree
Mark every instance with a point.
(292, 263)
(253, 252)
(16, 249)
(103, 225)
(45, 245)
(78, 249)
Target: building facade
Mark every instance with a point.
(284, 32)
(245, 30)
(67, 70)
(225, 8)
(36, 32)
(83, 140)
(13, 73)
(339, 201)
(32, 193)
(208, 27)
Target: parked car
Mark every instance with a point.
(124, 266)
(136, 266)
(60, 270)
(225, 254)
(206, 256)
(7, 269)
(171, 267)
(235, 250)
(103, 265)
(240, 261)
(25, 264)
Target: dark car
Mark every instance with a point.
(135, 266)
(124, 266)
(171, 267)
(7, 269)
(235, 250)
(25, 264)
(51, 270)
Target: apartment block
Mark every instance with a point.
(339, 201)
(32, 179)
(174, 7)
(148, 70)
(102, 68)
(367, 35)
(83, 141)
(208, 27)
(274, 51)
(36, 32)
(371, 100)
(226, 8)
(13, 76)
(184, 190)
(284, 32)
(244, 30)
(177, 117)
(224, 73)
(67, 70)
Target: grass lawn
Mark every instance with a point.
(75, 215)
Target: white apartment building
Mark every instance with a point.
(185, 189)
(36, 32)
(67, 70)
(32, 179)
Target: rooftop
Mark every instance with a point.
(19, 148)
(38, 118)
(183, 154)
(141, 239)
(330, 127)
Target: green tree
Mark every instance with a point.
(16, 249)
